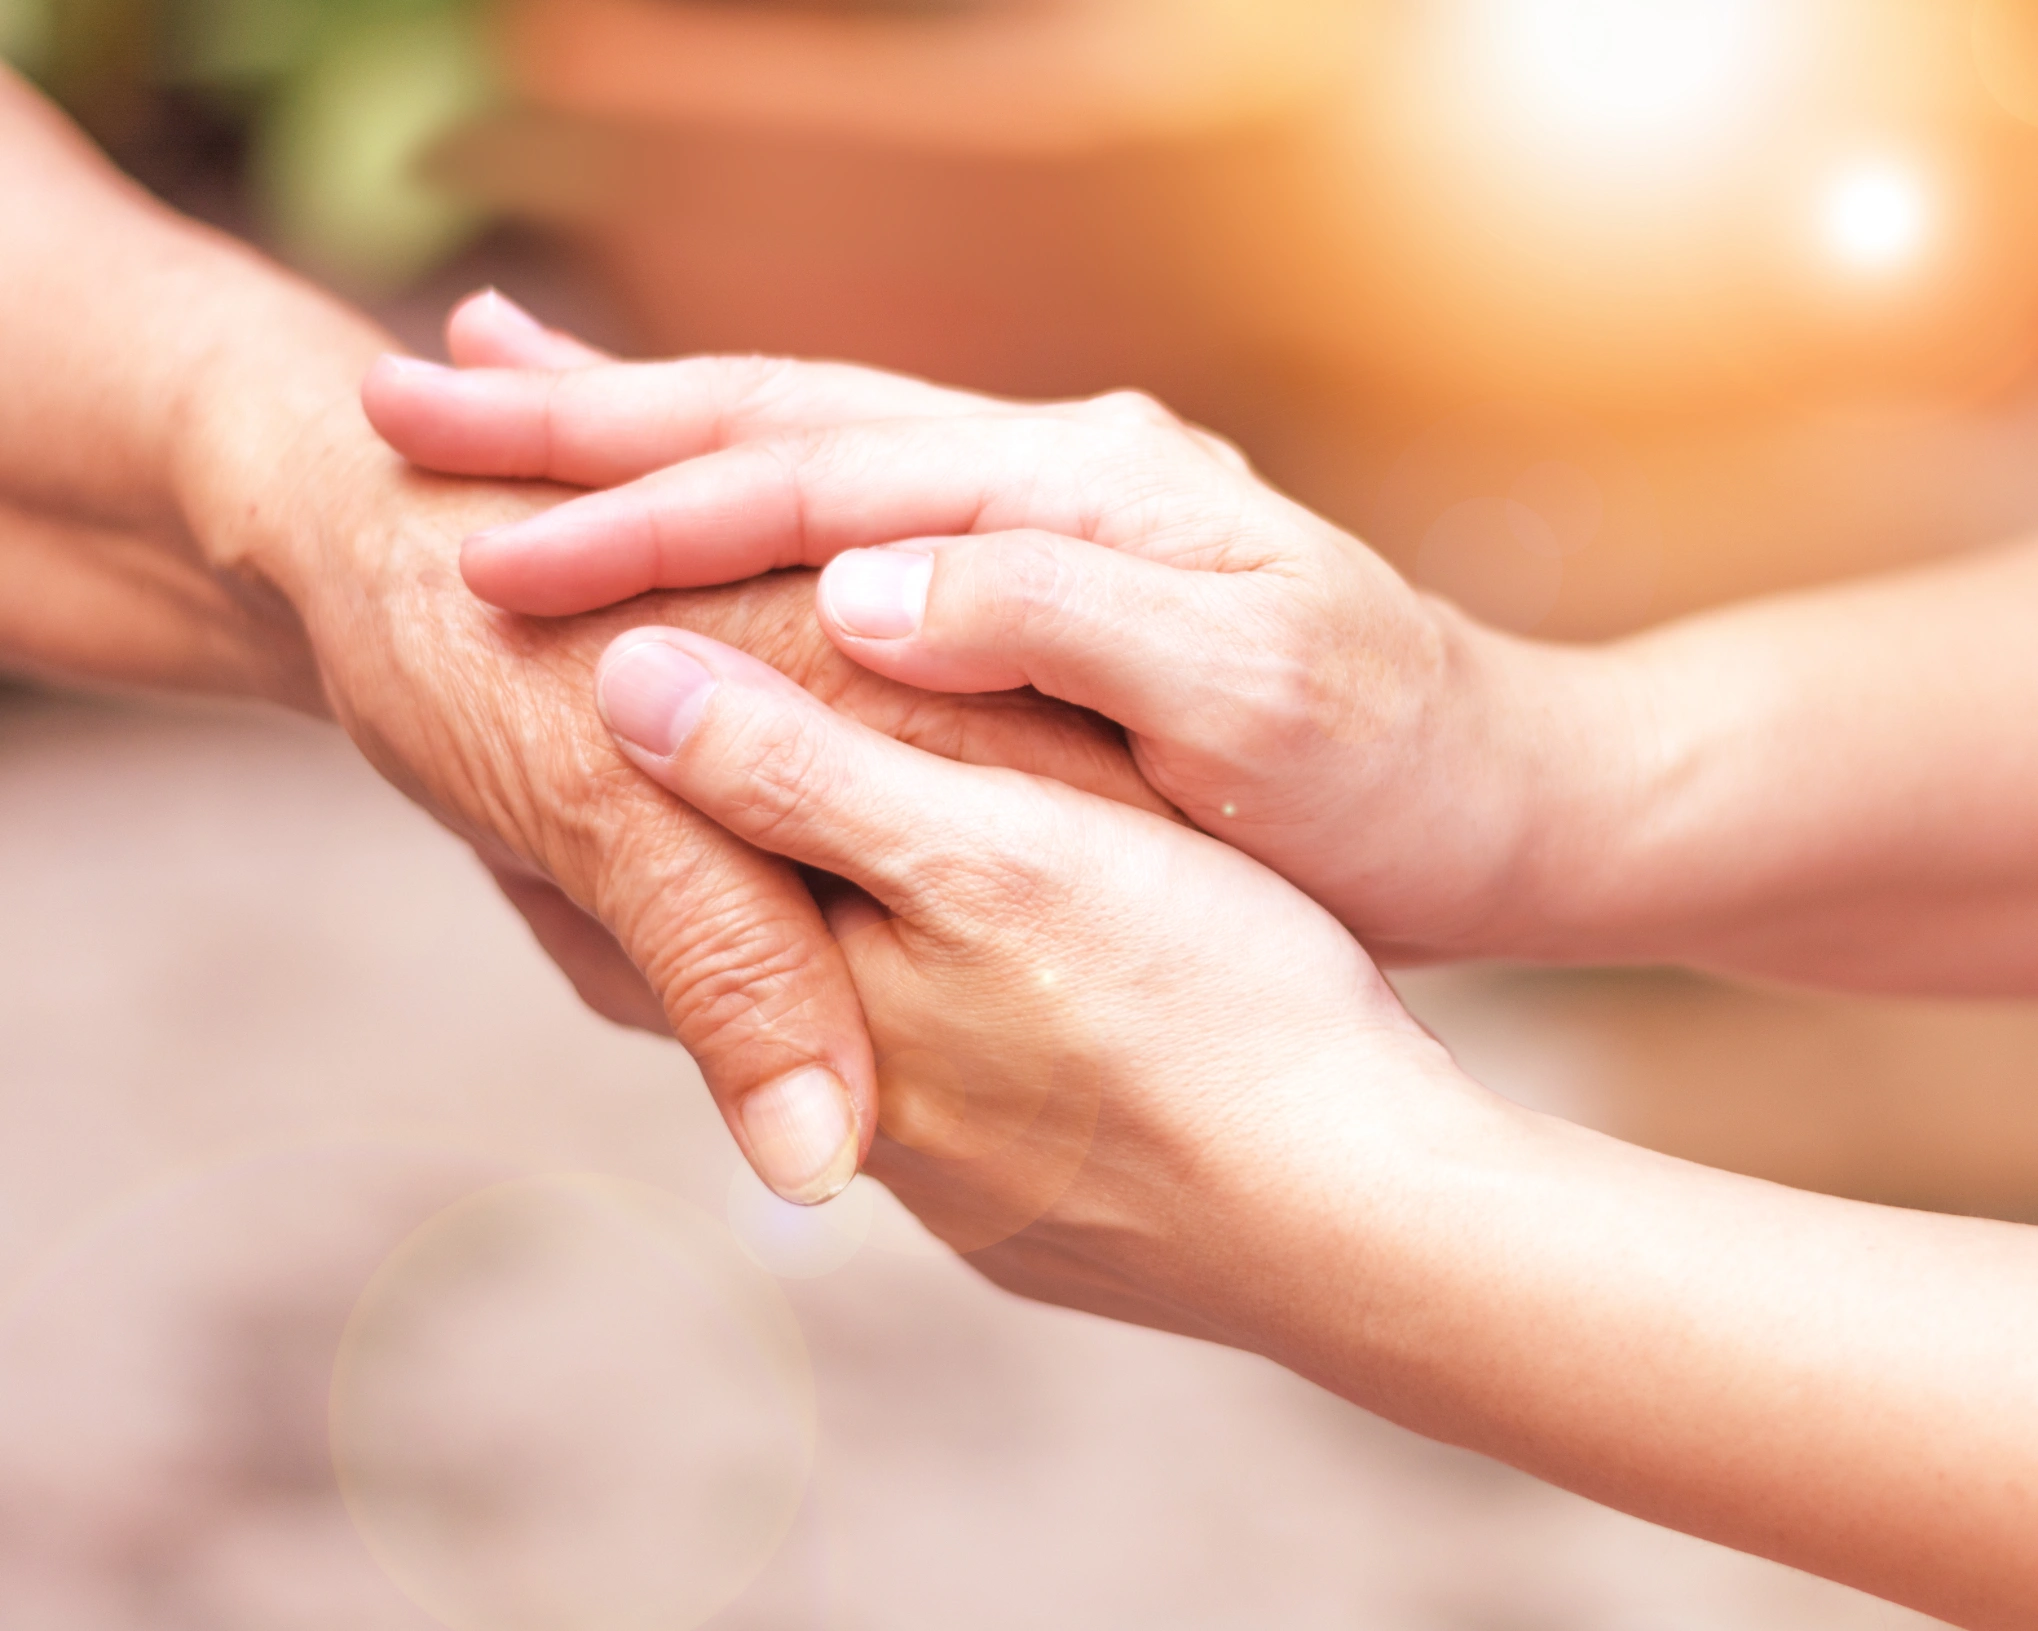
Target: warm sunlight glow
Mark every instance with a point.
(1877, 217)
(1627, 70)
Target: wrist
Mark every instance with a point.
(1542, 754)
(270, 452)
(1305, 1234)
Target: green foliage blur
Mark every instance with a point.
(332, 104)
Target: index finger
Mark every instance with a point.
(800, 499)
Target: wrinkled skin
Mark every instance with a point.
(486, 719)
(1280, 684)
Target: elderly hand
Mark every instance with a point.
(487, 720)
(1281, 685)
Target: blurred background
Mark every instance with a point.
(1585, 312)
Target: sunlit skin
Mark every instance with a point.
(190, 498)
(1272, 1154)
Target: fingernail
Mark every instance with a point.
(802, 1135)
(516, 314)
(653, 695)
(880, 594)
(413, 367)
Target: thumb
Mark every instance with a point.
(1143, 643)
(753, 985)
(746, 746)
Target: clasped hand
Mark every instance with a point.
(1129, 1054)
(1073, 1003)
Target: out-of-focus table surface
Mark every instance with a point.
(261, 1021)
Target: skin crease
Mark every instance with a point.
(191, 498)
(1448, 791)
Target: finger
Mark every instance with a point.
(802, 500)
(1142, 643)
(594, 424)
(749, 749)
(751, 982)
(490, 330)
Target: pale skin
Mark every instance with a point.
(1130, 1070)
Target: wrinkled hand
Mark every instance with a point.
(487, 720)
(1281, 685)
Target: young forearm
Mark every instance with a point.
(1836, 787)
(1844, 1388)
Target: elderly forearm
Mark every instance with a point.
(102, 606)
(111, 467)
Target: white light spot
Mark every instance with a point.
(1230, 810)
(1633, 69)
(797, 1242)
(1877, 217)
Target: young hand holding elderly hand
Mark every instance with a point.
(1128, 1069)
(1125, 1066)
(1280, 685)
(1446, 790)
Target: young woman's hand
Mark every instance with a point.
(1280, 683)
(1129, 1070)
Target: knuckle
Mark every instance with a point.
(756, 384)
(1134, 408)
(785, 764)
(1223, 449)
(1034, 586)
(729, 968)
(731, 395)
(1280, 695)
(1137, 479)
(553, 419)
(1293, 705)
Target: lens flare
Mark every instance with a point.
(572, 1404)
(798, 1242)
(1877, 217)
